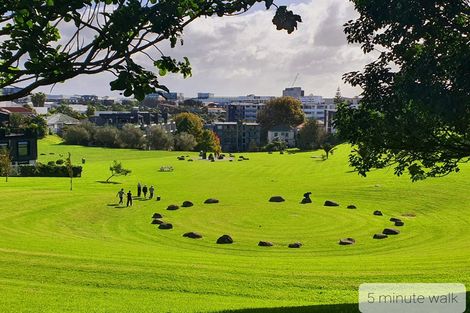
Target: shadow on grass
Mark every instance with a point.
(108, 182)
(320, 308)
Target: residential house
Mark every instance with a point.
(56, 122)
(283, 133)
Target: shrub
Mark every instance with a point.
(48, 170)
(131, 137)
(59, 162)
(107, 137)
(158, 139)
(76, 135)
(185, 142)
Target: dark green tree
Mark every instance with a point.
(415, 108)
(38, 99)
(185, 142)
(106, 35)
(209, 142)
(311, 135)
(131, 137)
(189, 123)
(5, 163)
(159, 139)
(283, 111)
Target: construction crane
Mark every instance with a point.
(295, 80)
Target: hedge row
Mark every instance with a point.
(48, 170)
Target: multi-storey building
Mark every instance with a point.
(237, 137)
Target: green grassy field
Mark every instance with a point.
(75, 251)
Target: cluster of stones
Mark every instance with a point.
(388, 231)
(227, 239)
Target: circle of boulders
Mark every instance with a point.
(165, 226)
(211, 201)
(380, 236)
(224, 239)
(157, 222)
(399, 223)
(351, 206)
(157, 215)
(390, 231)
(295, 245)
(330, 203)
(172, 207)
(347, 241)
(276, 199)
(192, 235)
(265, 244)
(378, 213)
(187, 204)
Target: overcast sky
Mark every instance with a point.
(246, 55)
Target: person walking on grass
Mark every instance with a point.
(151, 191)
(129, 198)
(139, 190)
(120, 194)
(144, 190)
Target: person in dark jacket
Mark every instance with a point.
(144, 190)
(129, 198)
(139, 189)
(151, 191)
(120, 194)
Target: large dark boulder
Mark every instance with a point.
(157, 222)
(351, 206)
(380, 236)
(378, 213)
(165, 226)
(192, 235)
(187, 204)
(157, 215)
(330, 203)
(295, 245)
(276, 199)
(265, 244)
(225, 239)
(399, 223)
(390, 231)
(394, 219)
(172, 207)
(211, 201)
(347, 241)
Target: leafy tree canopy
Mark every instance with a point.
(189, 123)
(104, 35)
(281, 111)
(415, 110)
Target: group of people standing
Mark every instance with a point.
(140, 190)
(143, 190)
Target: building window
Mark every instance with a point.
(23, 148)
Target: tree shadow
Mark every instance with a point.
(320, 308)
(108, 182)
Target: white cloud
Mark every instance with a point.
(246, 54)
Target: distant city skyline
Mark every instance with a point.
(245, 54)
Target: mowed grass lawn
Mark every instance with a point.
(74, 251)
